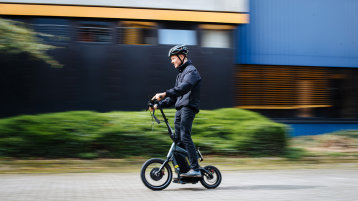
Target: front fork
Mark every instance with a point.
(162, 166)
(169, 157)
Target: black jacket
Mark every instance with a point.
(186, 92)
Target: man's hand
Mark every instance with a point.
(159, 96)
(154, 107)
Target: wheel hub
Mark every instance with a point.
(155, 174)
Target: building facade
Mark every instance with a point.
(114, 53)
(297, 62)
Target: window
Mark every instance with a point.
(94, 32)
(216, 36)
(177, 36)
(303, 89)
(216, 39)
(298, 91)
(136, 33)
(52, 29)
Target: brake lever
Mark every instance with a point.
(155, 118)
(151, 104)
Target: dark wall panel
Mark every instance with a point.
(106, 77)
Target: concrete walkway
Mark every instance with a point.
(275, 185)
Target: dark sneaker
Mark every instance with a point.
(191, 173)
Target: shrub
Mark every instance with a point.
(50, 135)
(233, 131)
(265, 138)
(87, 134)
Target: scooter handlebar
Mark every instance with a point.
(153, 102)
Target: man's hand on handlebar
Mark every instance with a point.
(156, 98)
(153, 108)
(159, 96)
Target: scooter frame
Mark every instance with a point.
(176, 149)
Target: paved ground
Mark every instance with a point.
(285, 185)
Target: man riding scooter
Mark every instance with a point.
(186, 96)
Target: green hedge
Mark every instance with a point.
(89, 134)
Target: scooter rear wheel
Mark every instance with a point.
(211, 180)
(153, 179)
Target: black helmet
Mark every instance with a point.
(178, 49)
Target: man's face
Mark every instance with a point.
(176, 61)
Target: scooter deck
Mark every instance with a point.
(184, 180)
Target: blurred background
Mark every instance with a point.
(294, 61)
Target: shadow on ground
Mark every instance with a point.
(250, 187)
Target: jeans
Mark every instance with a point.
(183, 123)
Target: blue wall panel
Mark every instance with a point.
(300, 32)
(322, 128)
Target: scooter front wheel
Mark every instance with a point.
(152, 177)
(211, 178)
